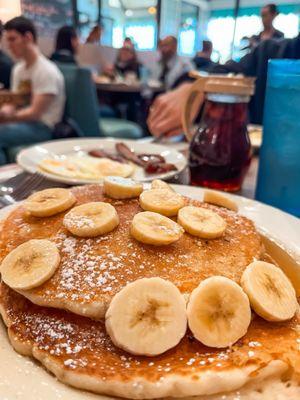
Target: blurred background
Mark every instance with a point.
(191, 21)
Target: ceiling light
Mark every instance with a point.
(129, 13)
(152, 10)
(114, 3)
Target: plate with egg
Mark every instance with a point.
(81, 161)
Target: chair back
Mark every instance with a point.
(81, 99)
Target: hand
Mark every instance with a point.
(165, 116)
(7, 111)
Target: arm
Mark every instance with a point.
(40, 102)
(246, 66)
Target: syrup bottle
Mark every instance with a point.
(220, 149)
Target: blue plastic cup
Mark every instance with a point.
(279, 169)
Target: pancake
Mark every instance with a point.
(93, 270)
(78, 351)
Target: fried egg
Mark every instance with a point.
(85, 167)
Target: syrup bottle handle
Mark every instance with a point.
(192, 104)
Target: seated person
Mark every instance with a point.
(202, 60)
(67, 45)
(128, 42)
(45, 84)
(5, 65)
(171, 69)
(165, 117)
(127, 63)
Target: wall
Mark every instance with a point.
(48, 16)
(96, 57)
(14, 9)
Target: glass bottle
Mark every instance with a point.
(220, 151)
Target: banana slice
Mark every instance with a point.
(91, 219)
(147, 317)
(152, 228)
(49, 202)
(30, 264)
(219, 200)
(271, 294)
(162, 201)
(122, 188)
(159, 184)
(218, 312)
(201, 222)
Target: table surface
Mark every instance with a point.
(124, 87)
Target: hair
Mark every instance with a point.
(64, 38)
(174, 40)
(272, 8)
(1, 28)
(207, 45)
(132, 50)
(22, 25)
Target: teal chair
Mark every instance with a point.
(82, 106)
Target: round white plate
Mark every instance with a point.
(255, 135)
(30, 157)
(22, 378)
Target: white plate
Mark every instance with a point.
(30, 157)
(21, 378)
(255, 135)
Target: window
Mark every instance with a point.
(143, 34)
(47, 16)
(220, 31)
(288, 24)
(88, 15)
(133, 18)
(188, 29)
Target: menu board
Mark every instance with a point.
(48, 16)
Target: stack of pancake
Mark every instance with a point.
(61, 322)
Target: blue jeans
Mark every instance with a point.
(21, 133)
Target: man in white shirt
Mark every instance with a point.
(34, 75)
(171, 69)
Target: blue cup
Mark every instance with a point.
(279, 169)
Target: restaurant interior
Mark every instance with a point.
(149, 199)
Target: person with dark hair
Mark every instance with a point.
(202, 60)
(171, 70)
(128, 42)
(36, 76)
(268, 14)
(127, 62)
(5, 65)
(67, 44)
